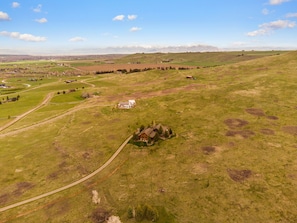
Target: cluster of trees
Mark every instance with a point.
(135, 70)
(10, 99)
(142, 212)
(69, 91)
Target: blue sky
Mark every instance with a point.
(69, 27)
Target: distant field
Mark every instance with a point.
(206, 59)
(232, 160)
(128, 67)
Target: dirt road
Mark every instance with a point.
(72, 184)
(44, 102)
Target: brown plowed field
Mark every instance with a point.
(128, 67)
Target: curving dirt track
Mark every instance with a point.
(44, 102)
(72, 184)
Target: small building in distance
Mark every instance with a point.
(127, 104)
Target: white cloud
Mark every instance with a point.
(4, 16)
(267, 28)
(291, 15)
(42, 20)
(277, 2)
(132, 17)
(119, 18)
(77, 39)
(135, 29)
(25, 36)
(38, 8)
(15, 5)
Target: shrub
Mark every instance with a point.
(140, 212)
(144, 212)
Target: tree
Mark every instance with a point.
(151, 213)
(166, 135)
(135, 136)
(140, 212)
(130, 212)
(141, 128)
(160, 130)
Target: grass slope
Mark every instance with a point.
(206, 59)
(231, 161)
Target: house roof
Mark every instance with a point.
(148, 131)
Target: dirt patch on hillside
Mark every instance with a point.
(235, 123)
(22, 187)
(3, 199)
(240, 133)
(239, 175)
(53, 175)
(57, 209)
(255, 111)
(267, 131)
(100, 215)
(271, 117)
(208, 150)
(290, 129)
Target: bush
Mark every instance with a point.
(130, 212)
(151, 213)
(140, 212)
(144, 212)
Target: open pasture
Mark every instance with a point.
(233, 158)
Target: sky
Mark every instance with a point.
(54, 27)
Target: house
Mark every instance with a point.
(127, 104)
(147, 134)
(153, 133)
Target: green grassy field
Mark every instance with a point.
(232, 160)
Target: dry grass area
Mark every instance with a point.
(232, 160)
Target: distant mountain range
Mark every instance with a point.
(153, 49)
(12, 55)
(114, 50)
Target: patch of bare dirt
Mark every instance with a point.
(290, 129)
(4, 198)
(22, 187)
(240, 133)
(267, 131)
(208, 150)
(112, 137)
(255, 111)
(235, 123)
(53, 176)
(86, 155)
(57, 209)
(63, 164)
(271, 117)
(82, 171)
(239, 175)
(100, 215)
